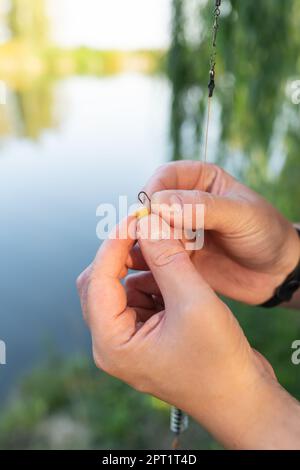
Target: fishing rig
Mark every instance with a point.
(179, 421)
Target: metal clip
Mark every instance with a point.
(141, 197)
(211, 84)
(144, 211)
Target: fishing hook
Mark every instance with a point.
(142, 197)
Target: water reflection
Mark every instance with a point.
(29, 110)
(112, 134)
(68, 143)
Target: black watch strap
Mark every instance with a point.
(285, 292)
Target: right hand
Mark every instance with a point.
(250, 248)
(169, 335)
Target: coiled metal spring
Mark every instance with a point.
(179, 423)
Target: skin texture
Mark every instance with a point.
(167, 333)
(250, 248)
(183, 345)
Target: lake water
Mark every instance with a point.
(109, 135)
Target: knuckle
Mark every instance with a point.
(99, 361)
(83, 279)
(79, 282)
(215, 167)
(162, 168)
(111, 359)
(104, 362)
(218, 175)
(159, 173)
(169, 253)
(130, 282)
(114, 363)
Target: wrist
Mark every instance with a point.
(289, 255)
(275, 420)
(269, 419)
(287, 282)
(244, 423)
(255, 414)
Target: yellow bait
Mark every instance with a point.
(143, 212)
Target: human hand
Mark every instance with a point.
(169, 335)
(250, 248)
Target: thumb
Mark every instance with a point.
(169, 262)
(197, 209)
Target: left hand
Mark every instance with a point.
(250, 248)
(171, 336)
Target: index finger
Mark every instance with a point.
(185, 174)
(110, 261)
(108, 315)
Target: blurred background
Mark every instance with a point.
(98, 94)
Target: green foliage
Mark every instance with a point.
(31, 66)
(102, 412)
(258, 53)
(27, 20)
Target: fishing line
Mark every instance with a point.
(211, 84)
(179, 421)
(207, 130)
